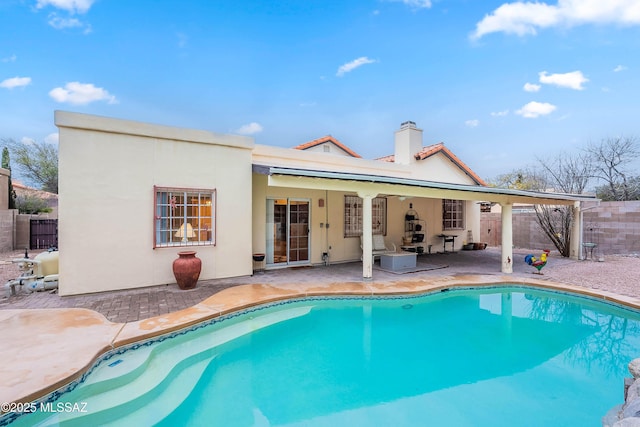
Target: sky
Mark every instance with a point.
(500, 83)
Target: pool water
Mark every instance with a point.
(503, 356)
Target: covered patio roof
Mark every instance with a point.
(368, 186)
(381, 184)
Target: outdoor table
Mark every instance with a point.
(447, 238)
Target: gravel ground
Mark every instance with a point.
(618, 273)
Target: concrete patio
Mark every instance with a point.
(133, 305)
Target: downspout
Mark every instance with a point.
(597, 205)
(327, 248)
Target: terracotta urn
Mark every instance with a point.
(186, 269)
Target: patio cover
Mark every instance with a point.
(369, 186)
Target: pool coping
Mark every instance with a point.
(50, 348)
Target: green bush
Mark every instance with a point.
(29, 204)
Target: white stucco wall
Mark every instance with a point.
(107, 172)
(440, 168)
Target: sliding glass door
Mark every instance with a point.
(287, 231)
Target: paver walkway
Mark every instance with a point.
(131, 305)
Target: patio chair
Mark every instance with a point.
(379, 246)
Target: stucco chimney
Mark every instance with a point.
(408, 143)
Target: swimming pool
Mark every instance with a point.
(499, 356)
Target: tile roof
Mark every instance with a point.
(430, 150)
(324, 139)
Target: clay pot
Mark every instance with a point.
(186, 269)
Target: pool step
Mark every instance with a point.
(147, 408)
(156, 359)
(127, 382)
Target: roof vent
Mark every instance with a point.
(408, 125)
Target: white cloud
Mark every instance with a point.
(522, 18)
(71, 6)
(416, 4)
(15, 82)
(535, 109)
(11, 58)
(531, 87)
(59, 23)
(572, 80)
(81, 93)
(350, 66)
(250, 129)
(619, 68)
(52, 138)
(472, 123)
(500, 113)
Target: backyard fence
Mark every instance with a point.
(613, 226)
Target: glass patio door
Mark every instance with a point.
(287, 231)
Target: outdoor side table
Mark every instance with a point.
(448, 238)
(399, 261)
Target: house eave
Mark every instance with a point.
(345, 181)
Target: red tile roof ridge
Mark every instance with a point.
(432, 149)
(327, 138)
(424, 151)
(440, 147)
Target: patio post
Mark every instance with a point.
(507, 237)
(367, 232)
(576, 232)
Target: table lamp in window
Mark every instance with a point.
(185, 232)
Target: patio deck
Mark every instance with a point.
(132, 305)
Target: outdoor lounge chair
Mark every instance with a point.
(379, 246)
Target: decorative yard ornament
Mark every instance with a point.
(538, 263)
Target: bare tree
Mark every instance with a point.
(611, 160)
(566, 173)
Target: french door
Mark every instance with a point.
(287, 231)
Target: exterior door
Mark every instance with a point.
(287, 231)
(298, 231)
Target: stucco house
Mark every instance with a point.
(132, 195)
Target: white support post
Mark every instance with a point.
(367, 232)
(507, 237)
(575, 250)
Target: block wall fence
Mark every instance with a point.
(614, 226)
